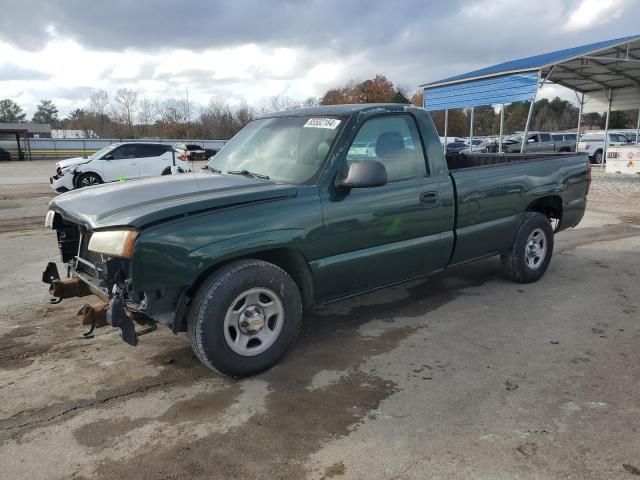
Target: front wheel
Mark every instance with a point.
(530, 254)
(244, 318)
(88, 179)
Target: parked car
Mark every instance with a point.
(120, 161)
(482, 146)
(456, 147)
(4, 154)
(537, 142)
(195, 152)
(593, 144)
(235, 254)
(565, 141)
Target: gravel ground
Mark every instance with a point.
(464, 375)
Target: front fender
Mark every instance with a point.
(161, 266)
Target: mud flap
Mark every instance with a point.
(116, 317)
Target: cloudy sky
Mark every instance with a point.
(254, 49)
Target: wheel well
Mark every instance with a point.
(550, 206)
(77, 175)
(290, 260)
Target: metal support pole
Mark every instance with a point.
(638, 129)
(523, 145)
(446, 124)
(471, 132)
(579, 120)
(501, 129)
(606, 130)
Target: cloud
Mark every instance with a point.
(595, 13)
(11, 71)
(253, 49)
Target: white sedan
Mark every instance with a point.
(120, 161)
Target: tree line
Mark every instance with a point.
(126, 113)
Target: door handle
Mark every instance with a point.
(429, 199)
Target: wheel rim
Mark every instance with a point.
(599, 157)
(536, 249)
(89, 180)
(253, 321)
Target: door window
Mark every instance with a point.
(126, 151)
(393, 141)
(150, 150)
(545, 137)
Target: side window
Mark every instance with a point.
(393, 141)
(151, 150)
(545, 137)
(124, 152)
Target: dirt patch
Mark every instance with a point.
(274, 444)
(15, 354)
(334, 470)
(104, 433)
(17, 224)
(203, 407)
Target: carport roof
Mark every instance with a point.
(610, 64)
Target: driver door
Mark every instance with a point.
(381, 235)
(123, 165)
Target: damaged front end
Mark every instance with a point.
(98, 263)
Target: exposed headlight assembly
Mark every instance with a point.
(48, 220)
(116, 243)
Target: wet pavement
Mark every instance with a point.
(464, 375)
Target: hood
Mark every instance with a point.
(71, 162)
(138, 203)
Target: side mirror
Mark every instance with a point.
(531, 140)
(108, 157)
(368, 173)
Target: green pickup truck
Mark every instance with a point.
(302, 208)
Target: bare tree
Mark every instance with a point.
(99, 102)
(221, 121)
(146, 114)
(125, 106)
(98, 106)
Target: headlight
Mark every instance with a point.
(117, 243)
(48, 220)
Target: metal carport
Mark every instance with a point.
(605, 76)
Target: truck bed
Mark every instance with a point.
(458, 161)
(493, 190)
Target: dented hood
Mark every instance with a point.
(137, 203)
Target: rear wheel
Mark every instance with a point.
(530, 254)
(88, 179)
(597, 157)
(245, 317)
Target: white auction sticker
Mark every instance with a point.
(331, 123)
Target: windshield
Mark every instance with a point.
(286, 149)
(101, 152)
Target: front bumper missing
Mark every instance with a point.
(111, 312)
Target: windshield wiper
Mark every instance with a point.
(211, 169)
(247, 173)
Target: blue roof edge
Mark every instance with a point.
(531, 63)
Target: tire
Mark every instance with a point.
(531, 251)
(88, 180)
(597, 157)
(241, 291)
